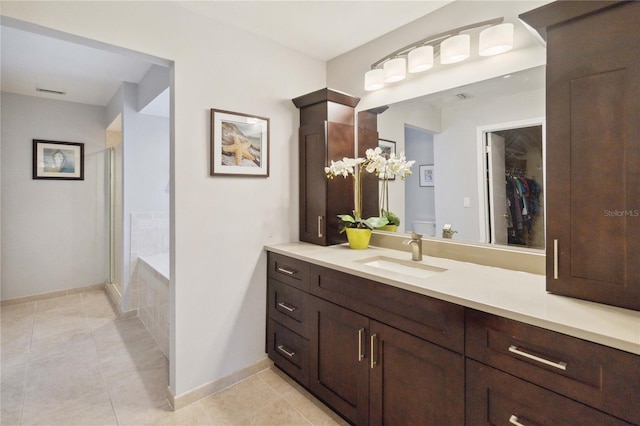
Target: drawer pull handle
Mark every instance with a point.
(282, 349)
(319, 226)
(555, 259)
(286, 271)
(374, 362)
(514, 420)
(360, 345)
(559, 365)
(287, 307)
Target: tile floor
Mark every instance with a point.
(70, 361)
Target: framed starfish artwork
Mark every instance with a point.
(239, 144)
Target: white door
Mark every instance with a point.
(497, 188)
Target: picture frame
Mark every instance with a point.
(239, 144)
(58, 160)
(388, 147)
(427, 175)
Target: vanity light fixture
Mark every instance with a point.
(395, 70)
(496, 40)
(452, 46)
(455, 49)
(374, 79)
(420, 59)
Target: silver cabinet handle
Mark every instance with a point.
(287, 307)
(374, 362)
(514, 420)
(286, 271)
(282, 349)
(559, 365)
(555, 259)
(360, 345)
(319, 226)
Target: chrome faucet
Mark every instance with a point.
(416, 246)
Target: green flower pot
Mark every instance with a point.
(358, 238)
(389, 228)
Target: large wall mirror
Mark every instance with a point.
(479, 160)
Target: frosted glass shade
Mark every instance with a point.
(495, 40)
(421, 59)
(395, 70)
(455, 49)
(374, 79)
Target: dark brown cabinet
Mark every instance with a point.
(375, 374)
(497, 398)
(412, 381)
(549, 364)
(339, 367)
(593, 149)
(288, 316)
(381, 355)
(326, 133)
(344, 350)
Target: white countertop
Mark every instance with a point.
(516, 295)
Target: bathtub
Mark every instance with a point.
(153, 297)
(159, 263)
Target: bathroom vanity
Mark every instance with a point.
(383, 340)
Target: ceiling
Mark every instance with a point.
(320, 29)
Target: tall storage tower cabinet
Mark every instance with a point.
(326, 133)
(593, 149)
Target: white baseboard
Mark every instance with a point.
(208, 389)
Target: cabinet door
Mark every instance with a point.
(497, 398)
(593, 156)
(323, 199)
(339, 370)
(313, 183)
(412, 381)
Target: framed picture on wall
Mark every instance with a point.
(388, 147)
(426, 175)
(239, 144)
(58, 160)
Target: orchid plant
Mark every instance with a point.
(354, 167)
(386, 168)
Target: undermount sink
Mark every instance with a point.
(405, 267)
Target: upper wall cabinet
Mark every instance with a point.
(326, 133)
(593, 149)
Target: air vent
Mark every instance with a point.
(463, 96)
(53, 92)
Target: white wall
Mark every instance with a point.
(220, 223)
(456, 154)
(391, 126)
(145, 141)
(54, 232)
(419, 200)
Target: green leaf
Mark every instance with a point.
(391, 217)
(376, 222)
(346, 218)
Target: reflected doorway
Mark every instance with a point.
(515, 186)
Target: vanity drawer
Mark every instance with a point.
(289, 351)
(601, 377)
(431, 319)
(289, 306)
(288, 270)
(497, 398)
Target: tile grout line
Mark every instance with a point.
(281, 397)
(104, 380)
(28, 362)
